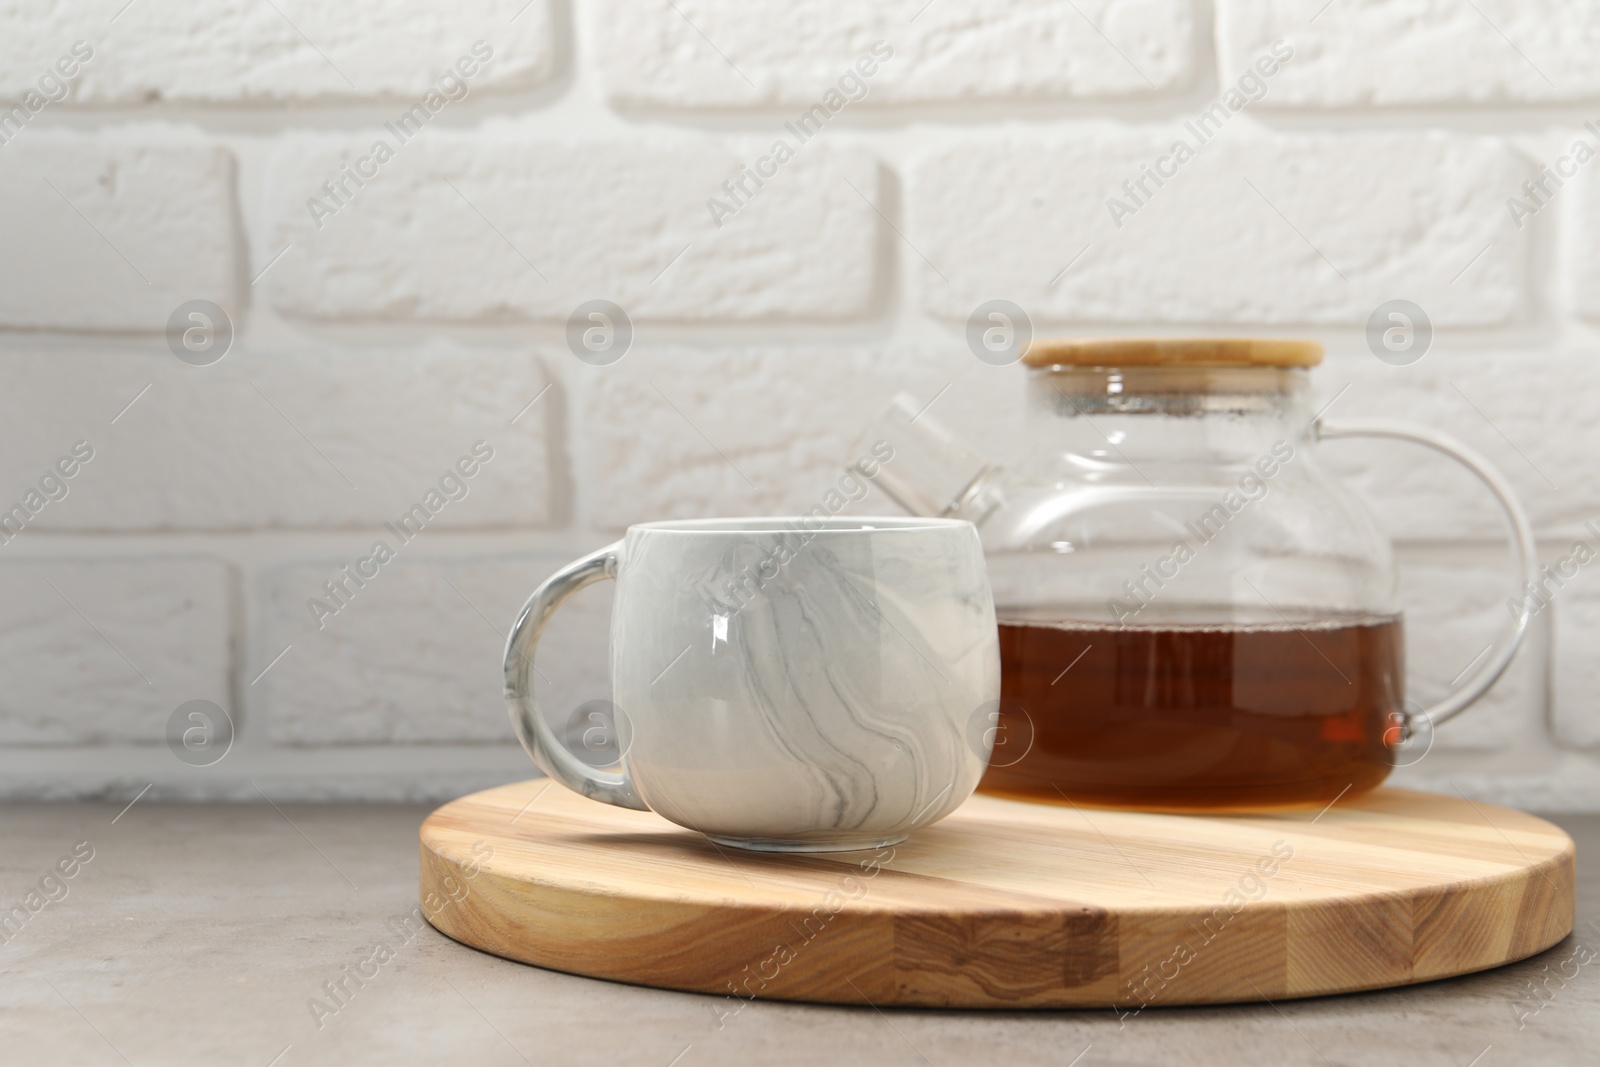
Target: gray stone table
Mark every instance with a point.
(201, 935)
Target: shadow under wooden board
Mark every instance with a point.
(1007, 904)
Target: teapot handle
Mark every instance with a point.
(1522, 546)
(534, 732)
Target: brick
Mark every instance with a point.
(268, 437)
(1501, 403)
(237, 51)
(759, 430)
(507, 224)
(1453, 609)
(1378, 215)
(1582, 202)
(134, 225)
(1414, 52)
(103, 650)
(416, 655)
(950, 51)
(1575, 714)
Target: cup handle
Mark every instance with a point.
(537, 737)
(1522, 546)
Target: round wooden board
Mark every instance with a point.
(1006, 904)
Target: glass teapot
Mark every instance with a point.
(1193, 614)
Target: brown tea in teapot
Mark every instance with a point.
(1204, 716)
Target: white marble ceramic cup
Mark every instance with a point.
(794, 684)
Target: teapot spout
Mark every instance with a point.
(924, 468)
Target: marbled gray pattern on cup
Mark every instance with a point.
(799, 684)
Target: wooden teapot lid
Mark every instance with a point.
(1173, 351)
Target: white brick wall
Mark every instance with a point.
(1526, 410)
(238, 51)
(103, 649)
(111, 232)
(714, 54)
(303, 436)
(1408, 52)
(504, 224)
(1577, 668)
(1454, 609)
(361, 679)
(1583, 196)
(737, 430)
(1286, 228)
(424, 308)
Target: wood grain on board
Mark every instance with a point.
(1008, 904)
